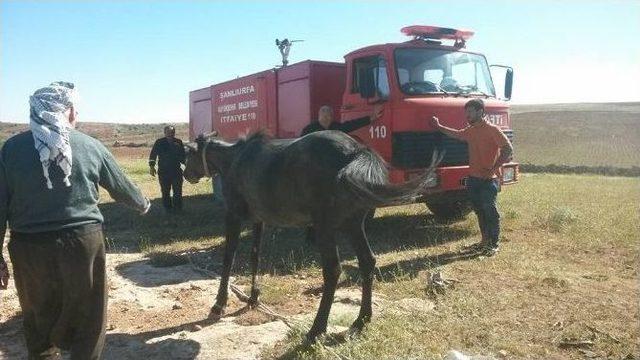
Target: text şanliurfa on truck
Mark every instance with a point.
(416, 80)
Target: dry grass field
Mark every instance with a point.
(567, 271)
(578, 134)
(565, 284)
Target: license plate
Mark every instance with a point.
(508, 174)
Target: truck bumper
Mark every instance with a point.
(453, 178)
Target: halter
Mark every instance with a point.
(207, 173)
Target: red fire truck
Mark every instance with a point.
(431, 74)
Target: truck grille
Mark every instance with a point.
(414, 149)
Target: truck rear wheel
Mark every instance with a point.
(448, 209)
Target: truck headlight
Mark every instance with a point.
(508, 174)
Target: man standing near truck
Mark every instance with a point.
(489, 149)
(325, 121)
(169, 151)
(49, 178)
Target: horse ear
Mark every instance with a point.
(200, 140)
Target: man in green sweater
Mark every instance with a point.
(49, 178)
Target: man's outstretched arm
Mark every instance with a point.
(121, 189)
(457, 134)
(355, 124)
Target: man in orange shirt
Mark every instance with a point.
(489, 148)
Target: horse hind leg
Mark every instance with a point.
(232, 236)
(255, 263)
(367, 264)
(330, 274)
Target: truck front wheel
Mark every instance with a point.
(448, 211)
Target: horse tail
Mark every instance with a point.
(366, 177)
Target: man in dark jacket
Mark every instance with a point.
(325, 121)
(169, 151)
(49, 178)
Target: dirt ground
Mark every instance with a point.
(162, 313)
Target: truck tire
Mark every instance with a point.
(449, 211)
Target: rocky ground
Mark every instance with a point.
(162, 313)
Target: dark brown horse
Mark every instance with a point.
(325, 179)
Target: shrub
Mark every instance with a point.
(560, 218)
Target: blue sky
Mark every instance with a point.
(136, 61)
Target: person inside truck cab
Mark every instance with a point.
(489, 149)
(325, 121)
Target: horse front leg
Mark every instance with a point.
(255, 263)
(330, 274)
(232, 236)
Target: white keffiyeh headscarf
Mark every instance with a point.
(50, 127)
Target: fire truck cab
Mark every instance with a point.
(416, 80)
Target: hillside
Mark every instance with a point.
(633, 107)
(578, 134)
(588, 134)
(109, 133)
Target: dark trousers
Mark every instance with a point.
(483, 194)
(60, 279)
(169, 182)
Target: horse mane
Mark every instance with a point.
(257, 137)
(260, 136)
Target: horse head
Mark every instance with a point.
(205, 157)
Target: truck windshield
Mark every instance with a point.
(427, 71)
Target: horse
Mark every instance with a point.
(325, 179)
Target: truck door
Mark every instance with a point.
(368, 83)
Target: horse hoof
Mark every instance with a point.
(312, 337)
(357, 326)
(254, 301)
(216, 312)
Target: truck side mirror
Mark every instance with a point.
(508, 84)
(367, 83)
(500, 72)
